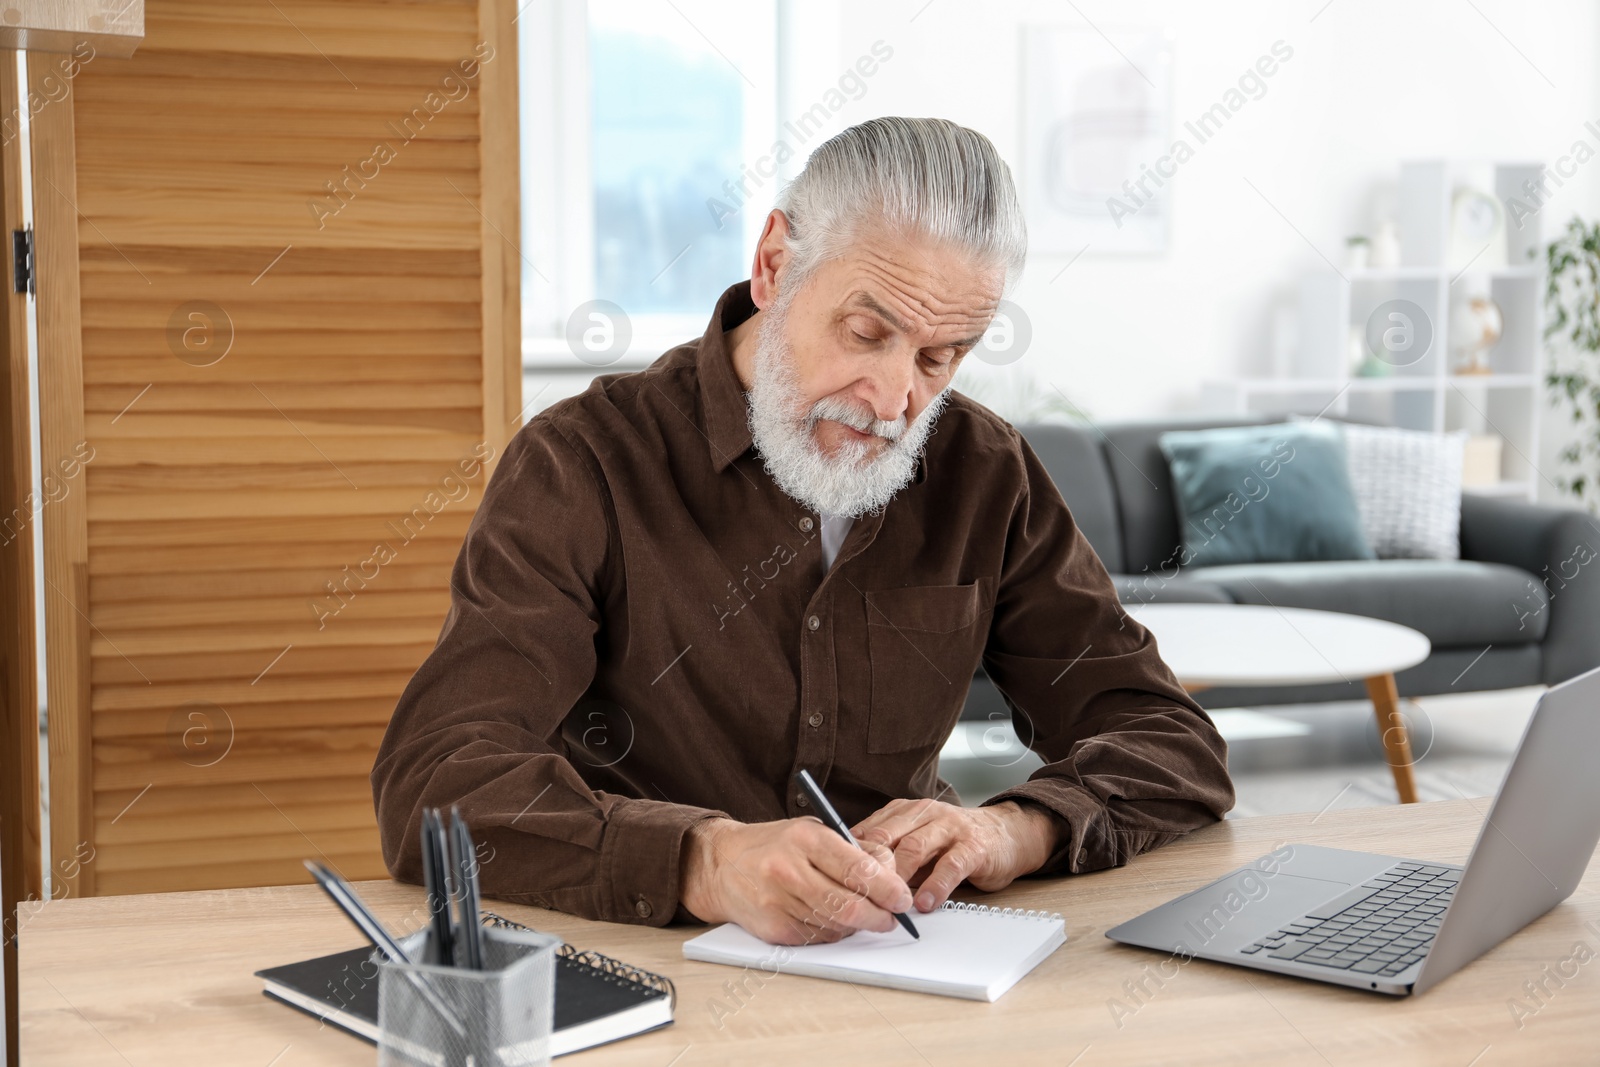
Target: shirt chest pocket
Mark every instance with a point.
(924, 643)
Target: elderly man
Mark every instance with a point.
(756, 556)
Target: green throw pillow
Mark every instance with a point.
(1279, 493)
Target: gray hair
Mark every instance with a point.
(927, 177)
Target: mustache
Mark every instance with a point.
(837, 409)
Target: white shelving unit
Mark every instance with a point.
(1425, 393)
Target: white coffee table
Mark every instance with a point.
(1210, 645)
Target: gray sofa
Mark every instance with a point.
(1521, 607)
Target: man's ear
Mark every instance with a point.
(772, 255)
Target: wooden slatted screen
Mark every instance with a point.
(297, 311)
(20, 878)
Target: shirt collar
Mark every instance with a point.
(722, 399)
(722, 403)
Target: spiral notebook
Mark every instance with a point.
(597, 999)
(966, 950)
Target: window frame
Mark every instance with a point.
(558, 221)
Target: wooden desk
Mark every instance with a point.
(166, 979)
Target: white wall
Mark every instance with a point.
(1371, 82)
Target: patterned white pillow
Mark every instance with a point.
(1408, 489)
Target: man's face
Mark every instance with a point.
(881, 331)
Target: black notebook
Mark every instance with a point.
(598, 999)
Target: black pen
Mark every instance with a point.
(436, 877)
(826, 813)
(466, 875)
(368, 924)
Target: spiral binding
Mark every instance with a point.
(1016, 913)
(614, 969)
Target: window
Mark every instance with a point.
(638, 119)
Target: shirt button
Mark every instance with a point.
(643, 908)
(816, 718)
(800, 799)
(1083, 855)
(814, 622)
(806, 524)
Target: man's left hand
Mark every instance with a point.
(937, 845)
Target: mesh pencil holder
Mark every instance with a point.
(501, 1016)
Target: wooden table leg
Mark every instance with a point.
(1392, 729)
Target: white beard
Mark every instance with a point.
(847, 482)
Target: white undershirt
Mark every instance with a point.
(834, 530)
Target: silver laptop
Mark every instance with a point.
(1401, 926)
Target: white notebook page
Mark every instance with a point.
(971, 953)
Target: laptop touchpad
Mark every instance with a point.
(1229, 913)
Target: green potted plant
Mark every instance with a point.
(1572, 336)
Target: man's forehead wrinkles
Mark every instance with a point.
(917, 306)
(926, 270)
(900, 277)
(923, 324)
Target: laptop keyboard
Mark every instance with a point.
(1380, 927)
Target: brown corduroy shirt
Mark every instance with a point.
(641, 635)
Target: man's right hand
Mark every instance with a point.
(789, 882)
